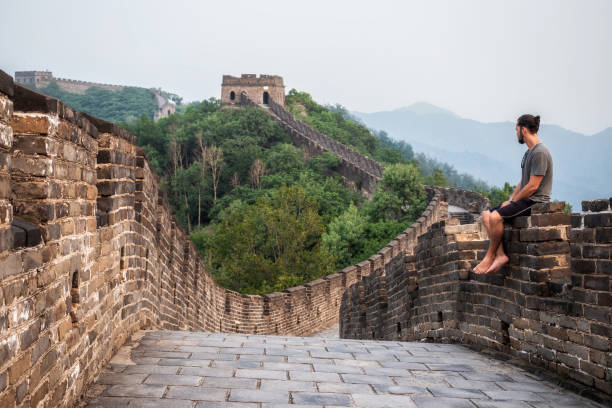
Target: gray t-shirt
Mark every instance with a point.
(538, 162)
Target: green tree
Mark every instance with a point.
(284, 157)
(345, 236)
(271, 244)
(499, 195)
(401, 195)
(436, 179)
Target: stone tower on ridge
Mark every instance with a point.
(259, 89)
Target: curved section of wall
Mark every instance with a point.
(551, 305)
(111, 259)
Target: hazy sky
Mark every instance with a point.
(486, 60)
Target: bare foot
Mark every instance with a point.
(484, 265)
(497, 264)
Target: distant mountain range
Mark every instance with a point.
(489, 151)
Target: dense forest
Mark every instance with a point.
(125, 105)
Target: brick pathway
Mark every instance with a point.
(184, 369)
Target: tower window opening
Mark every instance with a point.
(232, 95)
(266, 97)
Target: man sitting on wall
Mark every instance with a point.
(535, 187)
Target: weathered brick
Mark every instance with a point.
(604, 267)
(543, 234)
(19, 367)
(29, 335)
(597, 282)
(6, 136)
(603, 235)
(10, 265)
(598, 220)
(596, 205)
(545, 220)
(34, 145)
(585, 266)
(39, 394)
(31, 124)
(596, 251)
(3, 380)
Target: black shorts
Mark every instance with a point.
(515, 209)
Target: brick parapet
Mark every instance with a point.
(550, 306)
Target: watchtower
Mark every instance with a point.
(260, 89)
(39, 79)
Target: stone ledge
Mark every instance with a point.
(27, 100)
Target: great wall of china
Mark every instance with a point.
(90, 253)
(41, 79)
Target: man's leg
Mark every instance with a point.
(485, 221)
(500, 248)
(485, 218)
(500, 257)
(496, 231)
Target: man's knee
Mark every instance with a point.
(495, 217)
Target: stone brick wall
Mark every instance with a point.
(588, 326)
(549, 306)
(111, 258)
(48, 341)
(359, 171)
(42, 79)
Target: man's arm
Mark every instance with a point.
(515, 192)
(530, 188)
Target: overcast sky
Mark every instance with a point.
(485, 60)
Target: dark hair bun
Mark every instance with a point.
(530, 122)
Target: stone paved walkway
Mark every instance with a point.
(184, 369)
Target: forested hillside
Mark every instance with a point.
(264, 215)
(127, 104)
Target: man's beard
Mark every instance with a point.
(521, 139)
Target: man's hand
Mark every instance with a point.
(505, 203)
